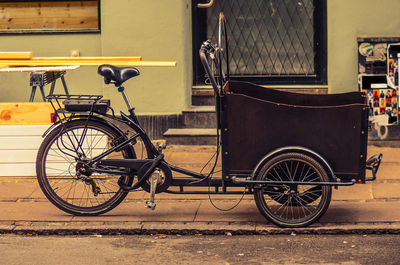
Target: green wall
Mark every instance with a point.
(347, 20)
(161, 30)
(155, 30)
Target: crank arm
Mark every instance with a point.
(155, 176)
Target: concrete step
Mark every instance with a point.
(191, 136)
(201, 97)
(199, 117)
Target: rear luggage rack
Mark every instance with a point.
(56, 97)
(69, 104)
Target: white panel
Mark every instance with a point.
(12, 130)
(17, 156)
(18, 170)
(20, 142)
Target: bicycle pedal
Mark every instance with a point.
(150, 205)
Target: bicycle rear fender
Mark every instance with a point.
(82, 117)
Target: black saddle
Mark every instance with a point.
(117, 74)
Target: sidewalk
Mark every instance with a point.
(363, 208)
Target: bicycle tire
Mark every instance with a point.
(53, 158)
(295, 211)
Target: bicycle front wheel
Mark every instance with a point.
(292, 205)
(57, 162)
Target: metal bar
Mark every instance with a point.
(97, 158)
(239, 181)
(53, 85)
(112, 172)
(212, 182)
(126, 99)
(187, 172)
(194, 182)
(42, 92)
(64, 85)
(32, 97)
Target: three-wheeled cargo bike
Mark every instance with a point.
(288, 149)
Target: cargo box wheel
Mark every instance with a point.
(292, 205)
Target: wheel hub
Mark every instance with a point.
(82, 169)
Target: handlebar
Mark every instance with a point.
(206, 52)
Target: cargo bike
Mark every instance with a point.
(287, 149)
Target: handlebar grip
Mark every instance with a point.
(203, 52)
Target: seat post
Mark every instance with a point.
(128, 103)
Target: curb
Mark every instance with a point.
(188, 228)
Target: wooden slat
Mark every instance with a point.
(25, 113)
(48, 15)
(16, 55)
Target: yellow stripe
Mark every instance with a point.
(87, 59)
(16, 55)
(16, 63)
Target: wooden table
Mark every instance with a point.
(42, 76)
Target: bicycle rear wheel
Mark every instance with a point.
(75, 142)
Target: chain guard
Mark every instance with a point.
(166, 177)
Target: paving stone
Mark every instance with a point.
(246, 211)
(135, 211)
(356, 192)
(11, 189)
(388, 171)
(32, 211)
(367, 212)
(386, 190)
(390, 154)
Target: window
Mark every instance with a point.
(49, 16)
(270, 41)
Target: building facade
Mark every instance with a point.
(169, 30)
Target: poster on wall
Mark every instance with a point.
(378, 77)
(383, 104)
